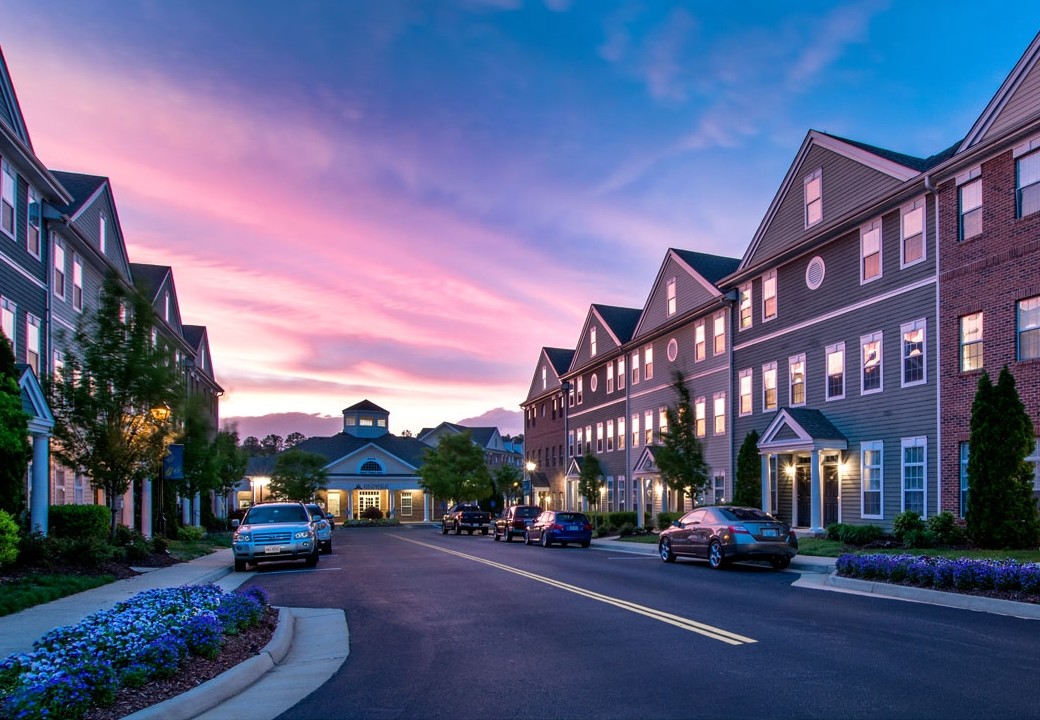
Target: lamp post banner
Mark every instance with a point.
(173, 463)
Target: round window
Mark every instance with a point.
(814, 273)
(673, 350)
(593, 383)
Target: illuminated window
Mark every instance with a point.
(671, 296)
(836, 371)
(971, 342)
(635, 430)
(769, 394)
(970, 211)
(870, 251)
(592, 342)
(913, 232)
(635, 368)
(913, 352)
(813, 198)
(621, 433)
(744, 381)
(698, 341)
(610, 377)
(33, 329)
(699, 416)
(648, 427)
(796, 380)
(871, 354)
(745, 306)
(720, 413)
(77, 282)
(719, 333)
(648, 362)
(769, 295)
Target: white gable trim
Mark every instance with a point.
(1004, 94)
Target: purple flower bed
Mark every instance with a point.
(76, 667)
(962, 574)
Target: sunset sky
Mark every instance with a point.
(404, 201)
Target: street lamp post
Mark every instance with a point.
(528, 484)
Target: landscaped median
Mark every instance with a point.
(74, 668)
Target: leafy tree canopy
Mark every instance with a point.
(15, 449)
(590, 481)
(455, 469)
(507, 480)
(298, 475)
(680, 457)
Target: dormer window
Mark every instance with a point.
(813, 198)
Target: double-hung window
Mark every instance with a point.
(7, 313)
(599, 437)
(610, 435)
(871, 380)
(610, 377)
(719, 326)
(635, 430)
(912, 232)
(1027, 183)
(592, 342)
(913, 349)
(870, 251)
(635, 368)
(699, 416)
(914, 474)
(796, 380)
(769, 394)
(588, 439)
(7, 197)
(621, 373)
(33, 339)
(769, 295)
(971, 342)
(59, 270)
(744, 382)
(813, 185)
(670, 290)
(1028, 328)
(745, 306)
(102, 234)
(871, 489)
(662, 422)
(581, 442)
(648, 362)
(33, 223)
(581, 390)
(698, 342)
(648, 427)
(570, 444)
(720, 413)
(969, 206)
(835, 371)
(621, 433)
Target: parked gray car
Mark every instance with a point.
(274, 532)
(724, 533)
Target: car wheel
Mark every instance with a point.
(508, 536)
(527, 538)
(444, 529)
(483, 531)
(546, 542)
(458, 530)
(240, 565)
(780, 562)
(494, 535)
(586, 543)
(327, 548)
(312, 561)
(665, 549)
(715, 559)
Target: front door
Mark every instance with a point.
(803, 489)
(830, 489)
(367, 499)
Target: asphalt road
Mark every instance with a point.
(463, 627)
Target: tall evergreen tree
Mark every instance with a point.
(105, 396)
(748, 485)
(680, 457)
(14, 435)
(200, 471)
(1001, 510)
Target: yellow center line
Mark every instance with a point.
(680, 622)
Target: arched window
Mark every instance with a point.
(371, 467)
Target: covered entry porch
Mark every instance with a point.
(803, 462)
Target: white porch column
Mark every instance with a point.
(390, 509)
(766, 489)
(39, 485)
(196, 510)
(426, 506)
(146, 507)
(816, 493)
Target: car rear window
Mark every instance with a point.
(528, 512)
(750, 514)
(570, 517)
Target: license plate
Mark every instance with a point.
(770, 532)
(572, 528)
(273, 549)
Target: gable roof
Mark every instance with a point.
(10, 109)
(711, 267)
(149, 279)
(83, 188)
(1002, 112)
(800, 428)
(34, 403)
(559, 358)
(620, 321)
(335, 448)
(365, 406)
(703, 271)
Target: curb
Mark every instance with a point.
(996, 606)
(230, 682)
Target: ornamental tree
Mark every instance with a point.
(747, 488)
(15, 450)
(298, 475)
(680, 457)
(590, 481)
(455, 469)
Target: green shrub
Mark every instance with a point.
(87, 551)
(627, 529)
(135, 545)
(191, 533)
(8, 539)
(160, 544)
(911, 530)
(372, 513)
(621, 518)
(945, 530)
(854, 534)
(79, 521)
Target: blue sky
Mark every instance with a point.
(404, 201)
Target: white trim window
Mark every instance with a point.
(720, 413)
(719, 333)
(965, 452)
(871, 379)
(746, 313)
(621, 373)
(971, 342)
(670, 293)
(700, 416)
(699, 349)
(34, 223)
(635, 368)
(545, 378)
(796, 380)
(33, 341)
(835, 355)
(592, 342)
(621, 492)
(744, 385)
(102, 233)
(635, 430)
(1034, 460)
(59, 270)
(610, 377)
(648, 427)
(648, 362)
(662, 421)
(870, 251)
(1027, 183)
(1027, 328)
(581, 442)
(570, 443)
(7, 314)
(915, 470)
(621, 433)
(599, 437)
(77, 282)
(813, 189)
(872, 481)
(769, 295)
(770, 397)
(719, 487)
(913, 352)
(8, 184)
(911, 233)
(969, 209)
(610, 435)
(581, 390)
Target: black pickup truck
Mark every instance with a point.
(468, 517)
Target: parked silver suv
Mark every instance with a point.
(274, 532)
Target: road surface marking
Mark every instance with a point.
(680, 622)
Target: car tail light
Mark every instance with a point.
(738, 530)
(557, 526)
(588, 526)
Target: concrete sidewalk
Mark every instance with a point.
(309, 644)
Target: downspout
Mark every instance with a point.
(930, 187)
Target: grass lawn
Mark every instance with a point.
(190, 549)
(648, 539)
(821, 547)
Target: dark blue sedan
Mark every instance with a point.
(560, 526)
